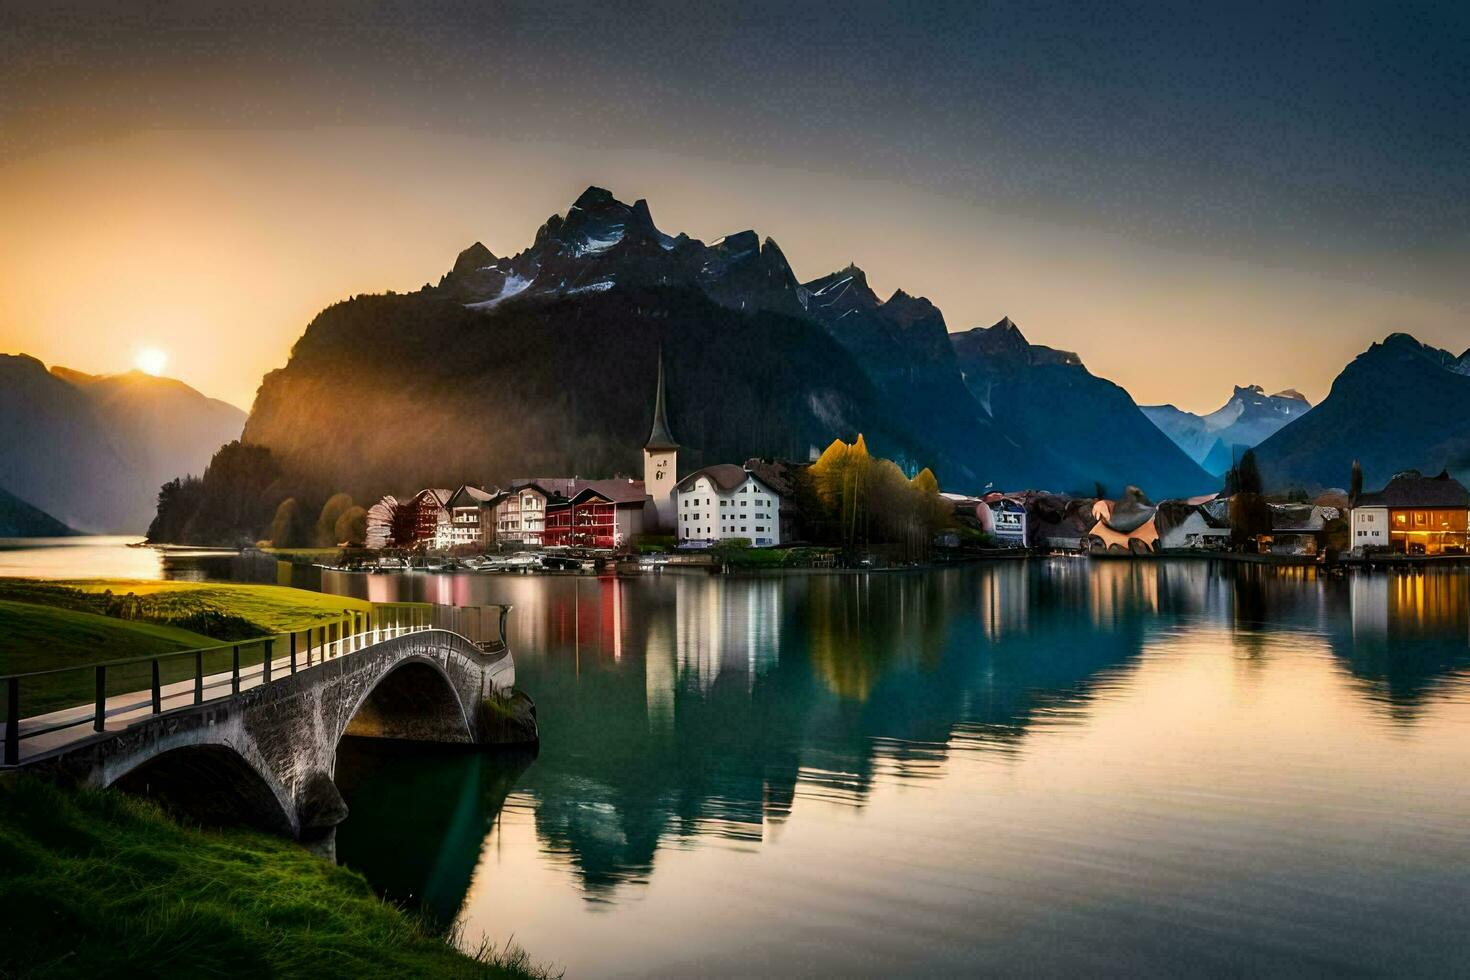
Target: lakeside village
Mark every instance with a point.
(765, 512)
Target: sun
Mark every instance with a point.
(151, 360)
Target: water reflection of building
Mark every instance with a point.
(1005, 598)
(1410, 633)
(726, 626)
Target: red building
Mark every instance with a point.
(603, 514)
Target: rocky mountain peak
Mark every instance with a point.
(477, 256)
(905, 310)
(594, 198)
(841, 292)
(1002, 340)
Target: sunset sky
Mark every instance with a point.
(1215, 195)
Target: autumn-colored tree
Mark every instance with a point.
(852, 499)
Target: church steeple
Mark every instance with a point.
(660, 439)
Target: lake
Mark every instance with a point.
(1052, 766)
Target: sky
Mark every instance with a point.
(1191, 197)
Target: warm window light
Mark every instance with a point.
(151, 360)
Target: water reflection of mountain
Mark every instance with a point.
(681, 707)
(714, 704)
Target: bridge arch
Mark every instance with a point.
(414, 701)
(212, 784)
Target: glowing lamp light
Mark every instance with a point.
(151, 360)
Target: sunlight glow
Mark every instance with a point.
(151, 360)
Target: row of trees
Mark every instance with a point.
(341, 522)
(851, 498)
(231, 504)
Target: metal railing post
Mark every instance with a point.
(235, 670)
(157, 689)
(12, 721)
(99, 708)
(266, 663)
(309, 630)
(198, 676)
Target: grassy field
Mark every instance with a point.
(100, 884)
(225, 611)
(44, 625)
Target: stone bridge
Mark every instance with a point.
(265, 753)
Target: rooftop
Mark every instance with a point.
(1412, 489)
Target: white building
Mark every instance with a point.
(1369, 527)
(518, 515)
(461, 526)
(1008, 521)
(725, 501)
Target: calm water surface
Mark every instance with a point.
(118, 556)
(1054, 766)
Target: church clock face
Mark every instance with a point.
(658, 473)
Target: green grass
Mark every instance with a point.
(99, 884)
(43, 637)
(226, 611)
(44, 625)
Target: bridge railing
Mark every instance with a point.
(50, 706)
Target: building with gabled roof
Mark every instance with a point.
(461, 522)
(725, 501)
(1413, 515)
(600, 514)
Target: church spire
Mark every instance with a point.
(660, 439)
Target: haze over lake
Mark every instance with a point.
(1049, 765)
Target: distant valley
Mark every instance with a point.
(91, 451)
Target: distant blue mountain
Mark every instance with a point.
(1215, 440)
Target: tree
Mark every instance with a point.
(325, 534)
(286, 527)
(1355, 489)
(1248, 474)
(351, 527)
(178, 499)
(231, 503)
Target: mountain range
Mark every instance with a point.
(544, 361)
(92, 451)
(1399, 405)
(1216, 440)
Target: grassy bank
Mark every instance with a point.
(224, 611)
(45, 625)
(98, 884)
(36, 637)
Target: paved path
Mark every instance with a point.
(43, 734)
